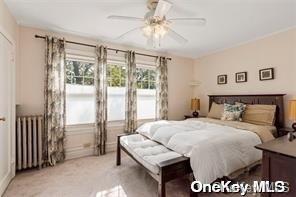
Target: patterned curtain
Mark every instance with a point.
(162, 89)
(54, 121)
(131, 94)
(101, 100)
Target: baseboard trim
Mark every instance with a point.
(111, 147)
(5, 182)
(78, 152)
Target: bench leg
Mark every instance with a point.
(161, 189)
(192, 194)
(118, 154)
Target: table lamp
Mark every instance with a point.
(292, 113)
(195, 105)
(292, 116)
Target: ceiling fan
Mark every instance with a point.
(156, 25)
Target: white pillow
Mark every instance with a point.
(148, 129)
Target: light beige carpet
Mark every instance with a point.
(99, 177)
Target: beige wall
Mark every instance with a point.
(277, 50)
(7, 21)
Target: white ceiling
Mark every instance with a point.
(229, 22)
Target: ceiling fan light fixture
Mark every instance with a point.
(157, 30)
(147, 30)
(161, 30)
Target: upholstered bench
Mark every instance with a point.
(160, 162)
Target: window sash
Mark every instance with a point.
(85, 79)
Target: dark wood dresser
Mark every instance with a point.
(279, 164)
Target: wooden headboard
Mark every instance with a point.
(265, 99)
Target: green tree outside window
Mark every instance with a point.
(82, 73)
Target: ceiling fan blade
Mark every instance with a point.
(125, 18)
(177, 37)
(123, 35)
(163, 7)
(189, 21)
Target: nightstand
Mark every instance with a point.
(190, 116)
(283, 131)
(278, 163)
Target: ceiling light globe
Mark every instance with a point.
(147, 31)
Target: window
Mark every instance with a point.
(80, 73)
(146, 78)
(146, 92)
(80, 90)
(116, 76)
(80, 98)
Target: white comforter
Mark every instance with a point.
(214, 150)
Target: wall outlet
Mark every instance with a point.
(86, 145)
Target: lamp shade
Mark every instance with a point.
(292, 110)
(195, 104)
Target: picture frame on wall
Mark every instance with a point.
(266, 74)
(241, 77)
(222, 79)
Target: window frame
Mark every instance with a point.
(81, 56)
(120, 61)
(151, 66)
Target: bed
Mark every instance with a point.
(171, 149)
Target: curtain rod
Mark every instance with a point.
(94, 46)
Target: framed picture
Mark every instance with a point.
(222, 79)
(241, 77)
(266, 74)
